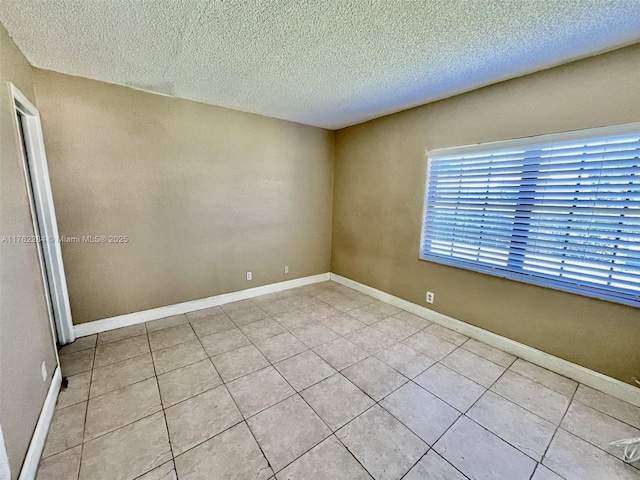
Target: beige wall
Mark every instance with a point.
(203, 193)
(378, 199)
(25, 331)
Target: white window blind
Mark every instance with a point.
(561, 210)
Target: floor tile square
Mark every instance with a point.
(341, 353)
(329, 460)
(268, 298)
(77, 362)
(278, 306)
(223, 342)
(374, 377)
(413, 320)
(166, 322)
(337, 400)
(244, 316)
(280, 347)
(259, 390)
(405, 360)
(169, 337)
(201, 417)
(207, 313)
(262, 329)
(465, 446)
(121, 350)
(121, 333)
(343, 302)
(66, 430)
(343, 324)
(423, 413)
(178, 356)
(493, 354)
(533, 396)
(314, 334)
(304, 369)
(121, 407)
(139, 448)
(239, 305)
(455, 389)
(527, 432)
(287, 430)
(371, 314)
(370, 339)
(185, 382)
(320, 311)
(304, 301)
(597, 428)
(120, 374)
(549, 379)
(77, 390)
(447, 334)
(385, 447)
(575, 459)
(473, 367)
(610, 405)
(294, 319)
(433, 467)
(212, 324)
(239, 362)
(233, 454)
(430, 345)
(64, 465)
(80, 343)
(395, 328)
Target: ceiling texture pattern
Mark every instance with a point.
(328, 63)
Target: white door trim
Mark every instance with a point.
(52, 266)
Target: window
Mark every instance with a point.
(561, 210)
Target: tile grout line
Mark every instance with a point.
(164, 413)
(86, 411)
(555, 432)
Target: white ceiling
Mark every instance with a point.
(329, 63)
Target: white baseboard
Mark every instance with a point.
(32, 459)
(97, 326)
(596, 380)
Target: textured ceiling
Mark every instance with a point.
(329, 63)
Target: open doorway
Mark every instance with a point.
(43, 214)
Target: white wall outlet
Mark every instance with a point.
(286, 269)
(44, 371)
(249, 276)
(430, 297)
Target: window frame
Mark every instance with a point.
(504, 272)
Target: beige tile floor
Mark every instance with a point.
(322, 382)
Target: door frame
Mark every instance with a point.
(43, 212)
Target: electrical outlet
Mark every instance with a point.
(430, 297)
(286, 269)
(44, 371)
(249, 276)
